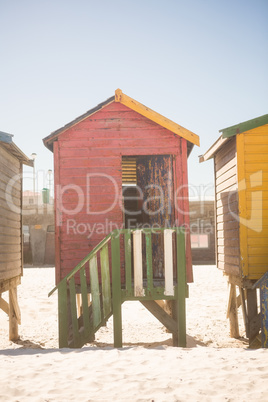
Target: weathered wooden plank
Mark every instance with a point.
(106, 281)
(13, 249)
(128, 259)
(149, 261)
(231, 172)
(227, 250)
(226, 168)
(230, 182)
(4, 305)
(95, 290)
(63, 314)
(116, 290)
(6, 284)
(14, 315)
(10, 159)
(76, 335)
(181, 280)
(10, 270)
(232, 312)
(168, 255)
(88, 327)
(160, 314)
(253, 318)
(229, 259)
(137, 261)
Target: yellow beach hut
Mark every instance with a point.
(241, 193)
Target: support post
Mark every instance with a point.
(253, 321)
(13, 315)
(232, 312)
(181, 288)
(116, 289)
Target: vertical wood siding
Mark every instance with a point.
(96, 146)
(252, 151)
(10, 221)
(227, 225)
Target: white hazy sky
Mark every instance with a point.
(201, 63)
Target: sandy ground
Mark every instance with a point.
(213, 367)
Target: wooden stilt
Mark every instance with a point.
(14, 315)
(244, 310)
(232, 312)
(116, 292)
(174, 314)
(253, 317)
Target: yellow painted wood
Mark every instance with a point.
(240, 147)
(254, 200)
(156, 117)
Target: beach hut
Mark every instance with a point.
(241, 191)
(11, 241)
(120, 166)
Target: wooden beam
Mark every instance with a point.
(4, 306)
(244, 311)
(232, 313)
(13, 321)
(137, 257)
(253, 321)
(160, 314)
(9, 283)
(156, 117)
(15, 304)
(168, 254)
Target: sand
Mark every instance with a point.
(213, 367)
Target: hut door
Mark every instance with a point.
(155, 179)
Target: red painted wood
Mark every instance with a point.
(95, 146)
(57, 212)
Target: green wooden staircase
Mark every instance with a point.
(118, 269)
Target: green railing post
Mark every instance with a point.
(149, 262)
(116, 289)
(76, 335)
(181, 287)
(88, 326)
(127, 243)
(63, 314)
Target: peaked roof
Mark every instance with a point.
(192, 139)
(232, 131)
(245, 126)
(7, 143)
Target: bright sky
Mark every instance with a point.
(201, 63)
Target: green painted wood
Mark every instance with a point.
(63, 314)
(127, 240)
(76, 336)
(106, 281)
(95, 290)
(84, 261)
(181, 285)
(116, 289)
(244, 126)
(149, 263)
(88, 328)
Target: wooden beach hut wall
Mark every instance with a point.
(109, 164)
(241, 192)
(11, 242)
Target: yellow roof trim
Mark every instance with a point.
(156, 117)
